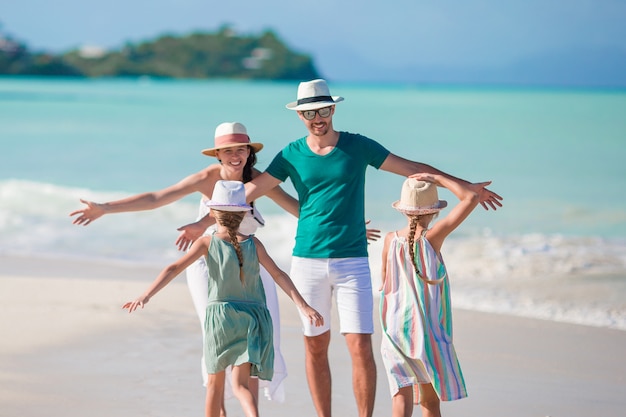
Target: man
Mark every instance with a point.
(327, 168)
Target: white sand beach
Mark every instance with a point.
(69, 350)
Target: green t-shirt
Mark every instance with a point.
(331, 190)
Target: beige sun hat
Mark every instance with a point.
(228, 196)
(419, 197)
(231, 134)
(313, 95)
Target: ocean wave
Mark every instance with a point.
(34, 220)
(551, 276)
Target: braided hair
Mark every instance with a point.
(414, 220)
(231, 221)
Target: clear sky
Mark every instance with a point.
(342, 35)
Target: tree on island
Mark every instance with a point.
(16, 59)
(223, 54)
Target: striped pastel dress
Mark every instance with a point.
(416, 318)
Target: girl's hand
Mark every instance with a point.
(422, 176)
(87, 214)
(139, 302)
(315, 318)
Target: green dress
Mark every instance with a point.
(238, 325)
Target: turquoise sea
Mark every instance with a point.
(556, 250)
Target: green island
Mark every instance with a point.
(223, 54)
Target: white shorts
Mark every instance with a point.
(317, 278)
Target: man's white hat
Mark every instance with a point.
(313, 95)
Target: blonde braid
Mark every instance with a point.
(411, 240)
(424, 221)
(231, 221)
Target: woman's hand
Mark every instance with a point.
(87, 214)
(189, 234)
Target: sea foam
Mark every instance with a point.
(556, 277)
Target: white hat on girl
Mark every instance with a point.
(419, 197)
(228, 196)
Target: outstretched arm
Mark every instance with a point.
(199, 248)
(284, 200)
(286, 284)
(407, 168)
(263, 184)
(139, 202)
(260, 185)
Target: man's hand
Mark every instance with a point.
(487, 197)
(372, 234)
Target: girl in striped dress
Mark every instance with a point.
(417, 349)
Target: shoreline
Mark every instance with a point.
(69, 349)
(588, 304)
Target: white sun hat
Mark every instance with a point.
(228, 196)
(419, 197)
(313, 95)
(231, 134)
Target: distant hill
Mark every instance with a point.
(199, 55)
(16, 59)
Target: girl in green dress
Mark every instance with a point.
(238, 325)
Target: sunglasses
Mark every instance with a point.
(310, 114)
